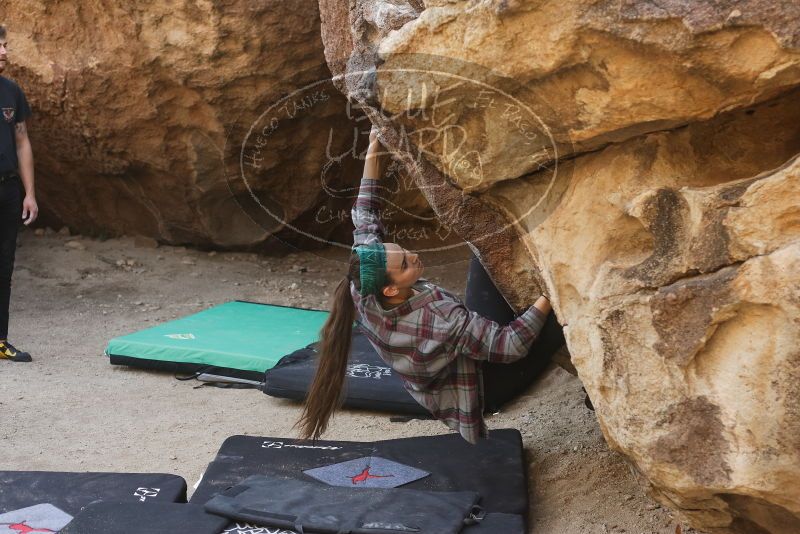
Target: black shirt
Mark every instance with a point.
(13, 109)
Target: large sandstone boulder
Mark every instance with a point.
(639, 163)
(143, 110)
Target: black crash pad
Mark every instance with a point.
(494, 468)
(311, 506)
(153, 518)
(71, 492)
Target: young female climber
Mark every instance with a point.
(423, 332)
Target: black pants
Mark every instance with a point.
(504, 381)
(10, 217)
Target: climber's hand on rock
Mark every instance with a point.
(543, 305)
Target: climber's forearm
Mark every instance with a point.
(373, 159)
(366, 212)
(543, 305)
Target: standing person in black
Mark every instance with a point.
(16, 165)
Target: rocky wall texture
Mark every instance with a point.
(639, 163)
(141, 111)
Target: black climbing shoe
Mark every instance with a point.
(9, 352)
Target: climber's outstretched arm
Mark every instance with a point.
(366, 212)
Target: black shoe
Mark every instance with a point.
(9, 352)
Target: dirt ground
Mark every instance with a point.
(70, 410)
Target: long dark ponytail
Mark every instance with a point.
(325, 393)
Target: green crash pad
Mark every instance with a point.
(245, 338)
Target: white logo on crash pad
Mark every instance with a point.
(365, 370)
(179, 336)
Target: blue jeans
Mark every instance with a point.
(10, 218)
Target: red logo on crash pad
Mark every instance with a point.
(365, 475)
(8, 114)
(22, 528)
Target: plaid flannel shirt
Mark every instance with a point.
(432, 341)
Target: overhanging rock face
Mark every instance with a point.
(639, 163)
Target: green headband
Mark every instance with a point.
(372, 270)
